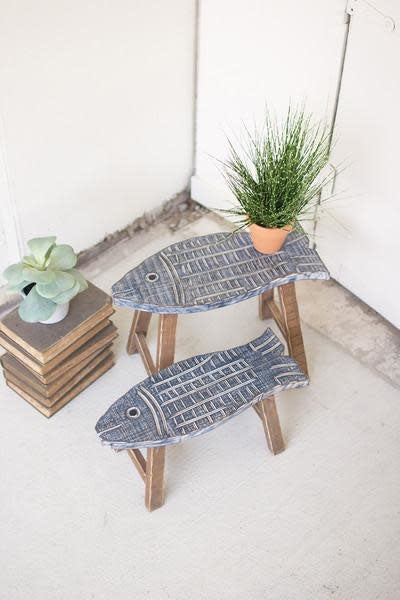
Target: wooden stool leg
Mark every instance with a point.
(166, 341)
(140, 324)
(154, 497)
(155, 462)
(263, 308)
(291, 323)
(266, 410)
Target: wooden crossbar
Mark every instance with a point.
(143, 349)
(277, 316)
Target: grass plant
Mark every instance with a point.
(276, 173)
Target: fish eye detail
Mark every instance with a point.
(133, 412)
(151, 277)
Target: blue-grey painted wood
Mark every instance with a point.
(196, 395)
(212, 271)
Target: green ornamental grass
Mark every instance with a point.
(275, 173)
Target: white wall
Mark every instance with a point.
(262, 51)
(257, 52)
(96, 105)
(358, 233)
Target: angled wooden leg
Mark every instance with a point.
(266, 410)
(139, 461)
(151, 469)
(155, 463)
(291, 323)
(166, 341)
(263, 308)
(140, 325)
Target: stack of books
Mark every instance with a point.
(48, 365)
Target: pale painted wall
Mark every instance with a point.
(358, 232)
(96, 115)
(257, 52)
(261, 51)
(96, 111)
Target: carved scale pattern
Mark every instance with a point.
(195, 395)
(212, 271)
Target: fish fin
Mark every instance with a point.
(266, 343)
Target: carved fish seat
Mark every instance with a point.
(194, 396)
(212, 271)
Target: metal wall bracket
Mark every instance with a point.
(353, 6)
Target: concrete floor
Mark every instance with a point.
(319, 521)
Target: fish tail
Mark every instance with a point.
(266, 343)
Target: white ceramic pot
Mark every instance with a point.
(58, 315)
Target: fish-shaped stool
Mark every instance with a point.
(212, 271)
(196, 395)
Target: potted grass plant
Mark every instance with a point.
(46, 279)
(275, 176)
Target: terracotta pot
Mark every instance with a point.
(269, 240)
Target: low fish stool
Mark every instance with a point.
(192, 397)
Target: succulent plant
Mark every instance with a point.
(46, 278)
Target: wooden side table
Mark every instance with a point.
(48, 365)
(205, 273)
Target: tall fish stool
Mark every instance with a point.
(194, 396)
(208, 272)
